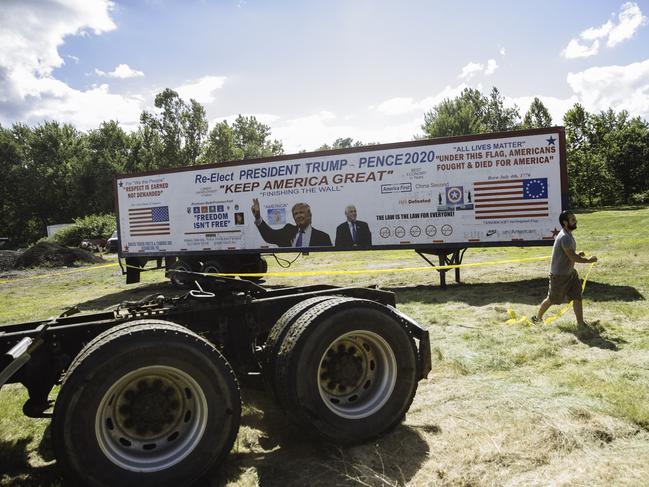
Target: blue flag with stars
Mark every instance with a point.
(535, 189)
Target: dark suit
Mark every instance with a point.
(344, 235)
(283, 237)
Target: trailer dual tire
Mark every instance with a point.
(213, 267)
(276, 337)
(258, 265)
(177, 276)
(347, 369)
(148, 403)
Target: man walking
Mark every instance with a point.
(564, 280)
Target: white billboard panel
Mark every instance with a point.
(477, 192)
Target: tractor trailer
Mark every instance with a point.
(435, 196)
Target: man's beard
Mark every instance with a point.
(572, 227)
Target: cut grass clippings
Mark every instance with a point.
(504, 404)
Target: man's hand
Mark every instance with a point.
(582, 254)
(592, 259)
(255, 209)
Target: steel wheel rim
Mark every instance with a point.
(357, 374)
(151, 419)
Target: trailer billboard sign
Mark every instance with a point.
(492, 189)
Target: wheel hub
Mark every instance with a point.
(148, 408)
(151, 418)
(357, 374)
(343, 369)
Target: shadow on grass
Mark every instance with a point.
(593, 335)
(528, 291)
(292, 456)
(133, 294)
(16, 471)
(279, 452)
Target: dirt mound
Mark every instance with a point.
(54, 255)
(8, 259)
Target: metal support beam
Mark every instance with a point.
(445, 257)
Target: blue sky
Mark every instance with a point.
(316, 70)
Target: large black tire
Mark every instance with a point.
(258, 266)
(276, 336)
(213, 266)
(147, 403)
(179, 279)
(347, 369)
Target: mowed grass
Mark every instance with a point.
(503, 405)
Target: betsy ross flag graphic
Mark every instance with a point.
(516, 198)
(149, 221)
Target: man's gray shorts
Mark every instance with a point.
(562, 286)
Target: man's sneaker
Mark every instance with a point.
(536, 320)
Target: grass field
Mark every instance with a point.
(504, 404)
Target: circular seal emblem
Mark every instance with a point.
(415, 231)
(431, 230)
(400, 232)
(447, 230)
(384, 232)
(454, 195)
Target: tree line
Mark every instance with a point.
(54, 173)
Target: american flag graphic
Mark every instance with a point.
(516, 198)
(153, 220)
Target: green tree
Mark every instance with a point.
(343, 143)
(605, 156)
(13, 195)
(461, 115)
(107, 154)
(470, 113)
(626, 149)
(174, 135)
(537, 115)
(246, 138)
(498, 117)
(38, 168)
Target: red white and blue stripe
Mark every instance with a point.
(514, 198)
(153, 220)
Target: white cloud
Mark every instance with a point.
(575, 49)
(502, 51)
(470, 70)
(202, 90)
(600, 88)
(556, 106)
(311, 131)
(629, 20)
(122, 71)
(265, 118)
(397, 106)
(492, 65)
(393, 120)
(474, 69)
(617, 87)
(593, 33)
(403, 105)
(30, 36)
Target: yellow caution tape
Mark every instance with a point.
(43, 276)
(515, 319)
(305, 273)
(375, 271)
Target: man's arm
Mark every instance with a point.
(578, 257)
